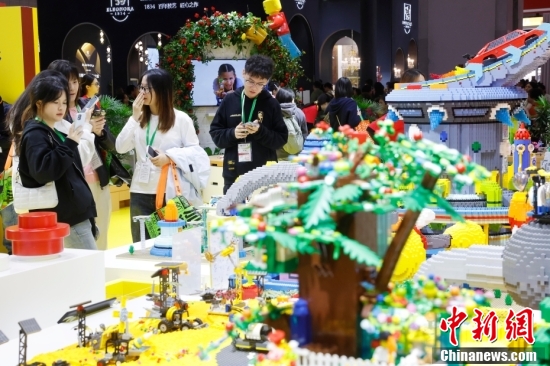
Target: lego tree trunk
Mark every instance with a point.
(333, 287)
(399, 240)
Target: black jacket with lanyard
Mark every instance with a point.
(235, 108)
(48, 155)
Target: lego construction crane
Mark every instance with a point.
(124, 316)
(81, 327)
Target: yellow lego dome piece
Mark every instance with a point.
(411, 258)
(465, 234)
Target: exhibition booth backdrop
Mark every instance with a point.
(110, 30)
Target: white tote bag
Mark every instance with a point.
(25, 199)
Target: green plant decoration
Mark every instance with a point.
(508, 300)
(197, 38)
(217, 151)
(540, 125)
(117, 113)
(497, 293)
(370, 110)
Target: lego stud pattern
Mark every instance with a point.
(526, 264)
(466, 234)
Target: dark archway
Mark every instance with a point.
(325, 54)
(144, 54)
(399, 64)
(89, 47)
(302, 36)
(412, 57)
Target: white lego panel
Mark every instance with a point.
(186, 248)
(248, 183)
(222, 267)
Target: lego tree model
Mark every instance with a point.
(341, 190)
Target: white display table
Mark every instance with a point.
(140, 269)
(45, 289)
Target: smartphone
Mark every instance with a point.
(80, 120)
(90, 103)
(151, 152)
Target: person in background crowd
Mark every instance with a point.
(409, 76)
(329, 89)
(285, 97)
(273, 88)
(367, 92)
(378, 90)
(47, 154)
(381, 100)
(89, 86)
(356, 92)
(389, 87)
(171, 134)
(322, 103)
(342, 110)
(317, 91)
(249, 124)
(533, 102)
(123, 98)
(5, 140)
(132, 92)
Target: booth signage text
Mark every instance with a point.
(407, 17)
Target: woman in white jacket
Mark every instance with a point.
(171, 134)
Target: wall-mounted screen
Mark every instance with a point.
(214, 80)
(88, 61)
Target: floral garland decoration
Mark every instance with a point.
(196, 39)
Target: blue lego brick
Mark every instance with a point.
(432, 252)
(503, 115)
(521, 116)
(392, 116)
(435, 118)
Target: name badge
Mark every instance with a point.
(245, 153)
(144, 172)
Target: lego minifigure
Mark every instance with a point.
(277, 22)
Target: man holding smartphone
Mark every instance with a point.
(249, 123)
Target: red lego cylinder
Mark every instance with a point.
(360, 136)
(37, 234)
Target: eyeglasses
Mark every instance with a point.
(252, 84)
(95, 84)
(144, 88)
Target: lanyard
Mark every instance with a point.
(59, 134)
(149, 142)
(251, 111)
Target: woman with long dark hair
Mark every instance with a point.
(171, 134)
(46, 154)
(342, 110)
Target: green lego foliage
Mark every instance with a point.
(508, 300)
(498, 293)
(131, 250)
(545, 309)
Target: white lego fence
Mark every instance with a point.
(308, 358)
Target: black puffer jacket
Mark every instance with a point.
(45, 158)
